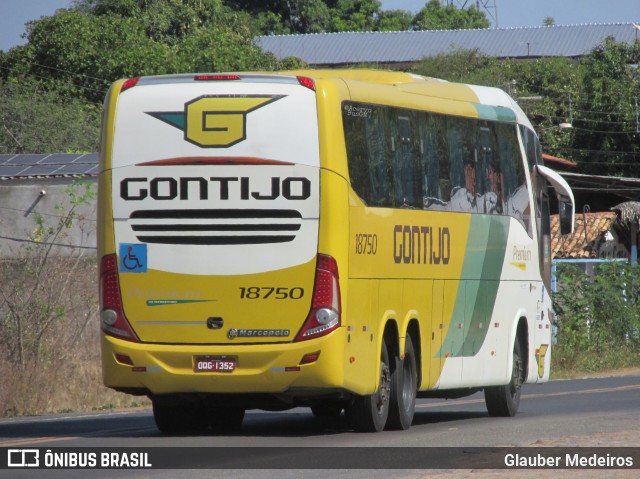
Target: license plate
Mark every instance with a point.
(214, 364)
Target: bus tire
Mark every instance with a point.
(177, 418)
(404, 383)
(503, 401)
(369, 413)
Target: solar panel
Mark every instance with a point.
(49, 165)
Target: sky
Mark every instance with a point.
(511, 13)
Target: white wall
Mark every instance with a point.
(22, 201)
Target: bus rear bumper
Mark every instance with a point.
(157, 369)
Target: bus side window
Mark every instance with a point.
(357, 153)
(462, 165)
(445, 185)
(489, 171)
(456, 154)
(380, 177)
(405, 167)
(434, 162)
(516, 194)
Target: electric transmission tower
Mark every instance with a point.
(488, 6)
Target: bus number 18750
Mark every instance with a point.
(366, 243)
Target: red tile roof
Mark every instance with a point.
(580, 244)
(555, 161)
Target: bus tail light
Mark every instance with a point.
(217, 77)
(130, 83)
(112, 319)
(325, 314)
(307, 82)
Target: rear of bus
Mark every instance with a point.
(211, 283)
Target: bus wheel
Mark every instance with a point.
(503, 401)
(404, 383)
(173, 417)
(369, 413)
(225, 419)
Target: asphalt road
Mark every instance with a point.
(561, 413)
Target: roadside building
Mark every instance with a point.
(35, 195)
(402, 49)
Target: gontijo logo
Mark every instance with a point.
(215, 121)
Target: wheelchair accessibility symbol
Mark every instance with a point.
(133, 258)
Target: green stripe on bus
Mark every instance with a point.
(475, 298)
(477, 325)
(495, 113)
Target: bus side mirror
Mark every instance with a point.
(566, 203)
(565, 215)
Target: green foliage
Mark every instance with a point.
(35, 120)
(605, 113)
(81, 55)
(597, 316)
(356, 15)
(394, 20)
(164, 21)
(286, 16)
(81, 52)
(597, 95)
(435, 16)
(219, 50)
(317, 16)
(468, 66)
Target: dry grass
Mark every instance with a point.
(75, 385)
(51, 363)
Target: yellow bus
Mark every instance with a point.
(334, 239)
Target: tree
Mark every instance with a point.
(355, 15)
(544, 86)
(436, 17)
(285, 16)
(209, 50)
(34, 120)
(605, 129)
(79, 54)
(165, 21)
(465, 66)
(394, 20)
(311, 16)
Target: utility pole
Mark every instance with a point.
(488, 6)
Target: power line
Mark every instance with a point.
(47, 78)
(604, 122)
(597, 152)
(607, 132)
(67, 71)
(590, 112)
(60, 245)
(586, 120)
(50, 215)
(59, 93)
